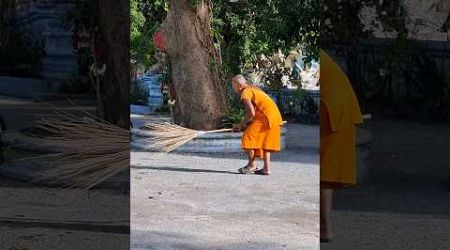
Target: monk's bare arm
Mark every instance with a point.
(249, 111)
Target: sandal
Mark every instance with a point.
(247, 170)
(261, 172)
(325, 240)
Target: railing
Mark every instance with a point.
(302, 105)
(406, 75)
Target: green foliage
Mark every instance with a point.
(236, 111)
(146, 17)
(166, 75)
(341, 22)
(194, 3)
(84, 17)
(337, 22)
(154, 11)
(165, 108)
(243, 29)
(233, 116)
(248, 28)
(141, 35)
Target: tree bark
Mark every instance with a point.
(114, 50)
(200, 99)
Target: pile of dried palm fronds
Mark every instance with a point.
(166, 136)
(89, 150)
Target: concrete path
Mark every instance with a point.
(406, 203)
(34, 217)
(199, 202)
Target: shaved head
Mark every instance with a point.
(238, 82)
(239, 78)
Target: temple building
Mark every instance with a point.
(46, 18)
(44, 59)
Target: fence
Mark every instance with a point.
(302, 105)
(410, 76)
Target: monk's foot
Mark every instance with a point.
(249, 169)
(262, 172)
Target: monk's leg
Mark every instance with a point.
(266, 158)
(326, 198)
(251, 158)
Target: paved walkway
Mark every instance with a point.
(199, 202)
(406, 203)
(36, 217)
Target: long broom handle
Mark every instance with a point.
(216, 131)
(222, 130)
(365, 117)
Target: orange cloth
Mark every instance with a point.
(337, 94)
(264, 133)
(339, 112)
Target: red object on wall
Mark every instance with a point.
(159, 40)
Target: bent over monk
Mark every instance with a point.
(262, 126)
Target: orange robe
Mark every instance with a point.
(339, 113)
(264, 133)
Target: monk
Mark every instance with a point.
(339, 114)
(262, 125)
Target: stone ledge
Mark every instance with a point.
(214, 143)
(22, 87)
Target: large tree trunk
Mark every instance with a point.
(114, 51)
(200, 102)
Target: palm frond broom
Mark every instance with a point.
(166, 136)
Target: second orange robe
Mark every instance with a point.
(339, 114)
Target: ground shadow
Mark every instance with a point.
(188, 170)
(90, 226)
(408, 170)
(403, 197)
(305, 156)
(165, 240)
